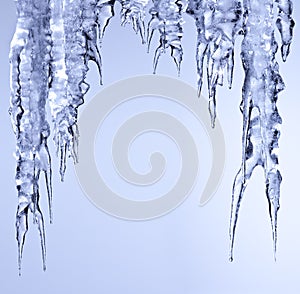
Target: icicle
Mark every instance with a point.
(133, 11)
(167, 18)
(261, 120)
(91, 33)
(104, 11)
(59, 100)
(285, 25)
(29, 58)
(75, 34)
(55, 40)
(218, 23)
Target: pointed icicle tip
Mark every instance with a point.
(285, 50)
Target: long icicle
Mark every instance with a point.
(29, 58)
(261, 120)
(76, 32)
(55, 40)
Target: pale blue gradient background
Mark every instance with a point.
(185, 251)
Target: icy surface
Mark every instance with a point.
(55, 39)
(261, 120)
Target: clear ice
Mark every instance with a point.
(167, 18)
(30, 57)
(55, 39)
(218, 23)
(133, 11)
(261, 120)
(50, 50)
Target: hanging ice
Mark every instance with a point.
(76, 32)
(104, 12)
(262, 84)
(167, 19)
(30, 55)
(218, 23)
(133, 11)
(55, 40)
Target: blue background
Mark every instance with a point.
(185, 251)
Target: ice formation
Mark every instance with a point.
(133, 11)
(218, 23)
(167, 19)
(55, 39)
(30, 57)
(52, 44)
(261, 119)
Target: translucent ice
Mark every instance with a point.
(50, 50)
(55, 39)
(261, 119)
(167, 19)
(75, 35)
(218, 23)
(133, 11)
(29, 57)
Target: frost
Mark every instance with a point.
(55, 40)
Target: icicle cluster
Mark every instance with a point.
(261, 119)
(75, 41)
(218, 23)
(167, 19)
(30, 56)
(50, 50)
(133, 11)
(55, 40)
